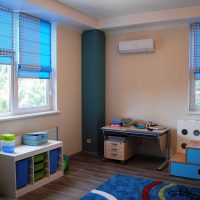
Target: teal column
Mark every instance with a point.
(93, 90)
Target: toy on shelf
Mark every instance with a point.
(66, 163)
(153, 126)
(140, 124)
(118, 122)
(186, 162)
(187, 130)
(35, 138)
(127, 122)
(8, 142)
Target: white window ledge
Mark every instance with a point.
(23, 116)
(193, 112)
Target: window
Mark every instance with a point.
(32, 93)
(195, 67)
(5, 80)
(27, 71)
(6, 57)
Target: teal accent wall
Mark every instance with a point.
(93, 89)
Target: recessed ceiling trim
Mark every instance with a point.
(151, 17)
(63, 14)
(52, 11)
(147, 27)
(66, 11)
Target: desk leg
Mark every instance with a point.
(104, 138)
(165, 163)
(104, 159)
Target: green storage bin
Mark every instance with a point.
(39, 167)
(39, 175)
(39, 158)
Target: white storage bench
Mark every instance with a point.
(36, 161)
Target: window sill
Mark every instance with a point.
(193, 112)
(23, 116)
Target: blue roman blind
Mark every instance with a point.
(195, 28)
(34, 48)
(6, 36)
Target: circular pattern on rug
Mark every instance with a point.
(184, 131)
(196, 132)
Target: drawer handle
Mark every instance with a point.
(113, 154)
(114, 144)
(199, 171)
(113, 149)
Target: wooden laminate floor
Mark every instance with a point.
(88, 171)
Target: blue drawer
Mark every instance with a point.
(22, 173)
(54, 154)
(193, 156)
(185, 170)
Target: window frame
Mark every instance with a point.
(10, 93)
(193, 107)
(52, 82)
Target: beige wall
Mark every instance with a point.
(69, 96)
(151, 86)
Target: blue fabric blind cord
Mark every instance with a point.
(196, 50)
(6, 36)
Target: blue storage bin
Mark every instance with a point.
(54, 160)
(35, 138)
(22, 173)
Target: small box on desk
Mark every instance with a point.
(119, 148)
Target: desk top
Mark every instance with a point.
(133, 129)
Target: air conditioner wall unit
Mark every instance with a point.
(137, 46)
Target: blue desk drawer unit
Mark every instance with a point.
(185, 170)
(193, 156)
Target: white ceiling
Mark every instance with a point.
(102, 9)
(127, 14)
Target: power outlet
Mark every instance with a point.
(89, 141)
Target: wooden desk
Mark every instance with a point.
(163, 137)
